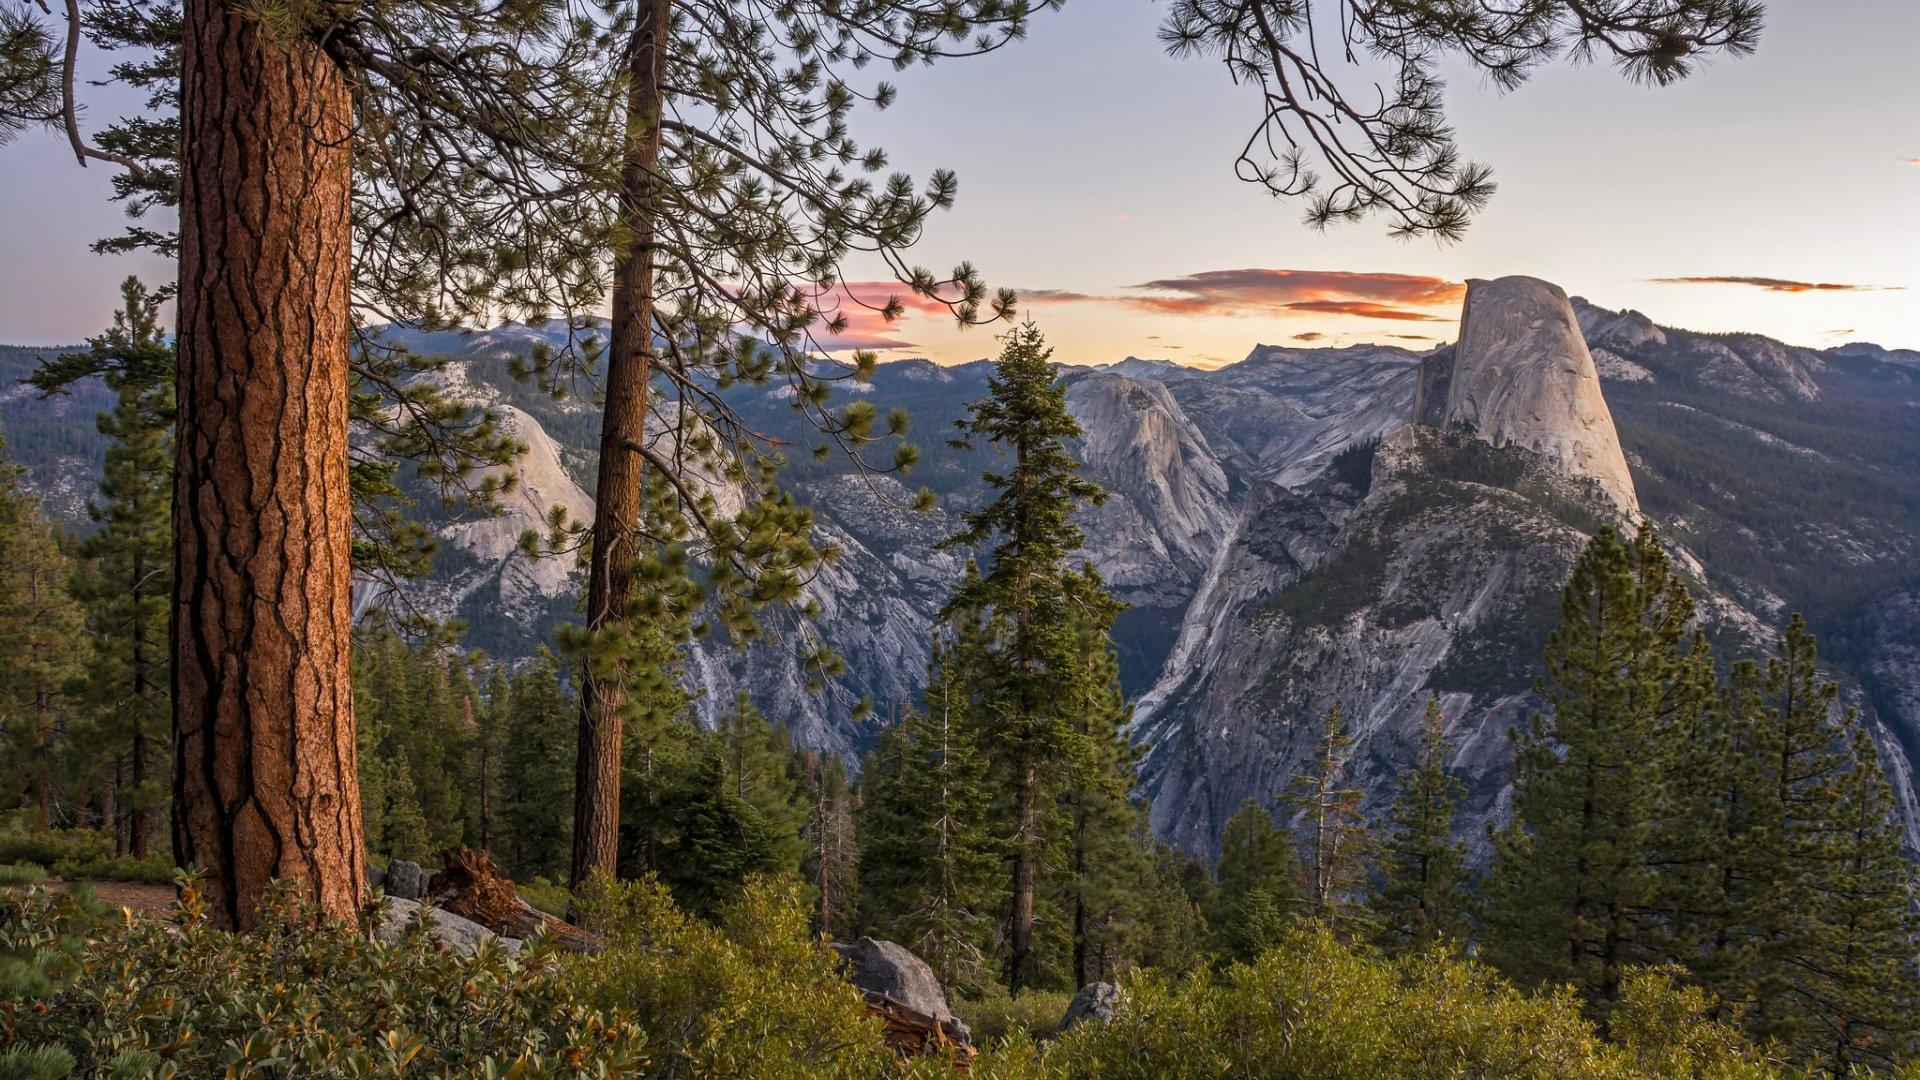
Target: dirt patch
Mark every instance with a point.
(142, 898)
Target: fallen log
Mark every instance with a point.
(470, 886)
(911, 1032)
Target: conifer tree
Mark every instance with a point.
(489, 746)
(767, 774)
(1107, 853)
(1337, 842)
(44, 629)
(1422, 893)
(1029, 597)
(1828, 970)
(832, 861)
(536, 771)
(128, 564)
(929, 860)
(1258, 886)
(1576, 886)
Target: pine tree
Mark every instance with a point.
(767, 774)
(1029, 598)
(832, 861)
(44, 629)
(1258, 884)
(929, 860)
(127, 564)
(1422, 891)
(1337, 840)
(1576, 886)
(1827, 970)
(536, 771)
(1108, 855)
(489, 746)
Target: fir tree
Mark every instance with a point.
(1337, 841)
(44, 630)
(1029, 598)
(1576, 887)
(832, 861)
(928, 855)
(536, 771)
(128, 567)
(1107, 854)
(766, 773)
(1422, 891)
(1258, 884)
(1828, 971)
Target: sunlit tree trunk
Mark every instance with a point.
(265, 769)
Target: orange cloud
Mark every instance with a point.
(1311, 335)
(861, 306)
(1780, 285)
(1257, 291)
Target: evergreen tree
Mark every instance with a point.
(1828, 969)
(1576, 887)
(536, 771)
(1337, 840)
(690, 828)
(1422, 891)
(44, 630)
(832, 861)
(928, 856)
(1258, 884)
(489, 746)
(1029, 598)
(1108, 856)
(766, 774)
(128, 568)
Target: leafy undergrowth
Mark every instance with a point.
(83, 993)
(76, 854)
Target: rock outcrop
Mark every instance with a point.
(1096, 1002)
(882, 967)
(454, 933)
(1521, 375)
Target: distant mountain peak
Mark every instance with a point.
(1521, 375)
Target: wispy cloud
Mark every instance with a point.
(1269, 292)
(1311, 335)
(1770, 284)
(861, 309)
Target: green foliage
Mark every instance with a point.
(754, 994)
(533, 817)
(1338, 843)
(302, 997)
(1422, 894)
(21, 873)
(994, 1015)
(1579, 872)
(1316, 1007)
(1258, 888)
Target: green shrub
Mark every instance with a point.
(21, 874)
(300, 997)
(1313, 1007)
(52, 847)
(549, 896)
(755, 996)
(995, 1015)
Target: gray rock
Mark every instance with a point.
(406, 880)
(1521, 375)
(454, 933)
(1095, 1001)
(882, 967)
(376, 877)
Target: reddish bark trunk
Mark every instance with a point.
(623, 428)
(266, 781)
(1026, 804)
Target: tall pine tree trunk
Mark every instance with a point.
(623, 428)
(265, 767)
(1026, 811)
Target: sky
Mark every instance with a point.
(1777, 193)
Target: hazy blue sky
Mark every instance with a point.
(1091, 164)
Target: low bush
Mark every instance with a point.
(21, 874)
(995, 1016)
(80, 853)
(83, 993)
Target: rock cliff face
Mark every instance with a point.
(1521, 375)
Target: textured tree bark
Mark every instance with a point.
(1026, 803)
(623, 426)
(266, 781)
